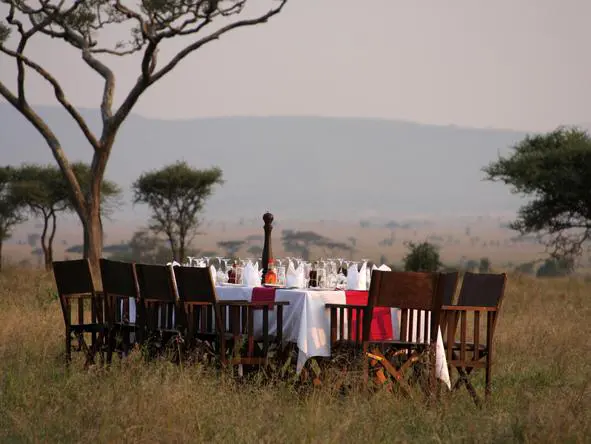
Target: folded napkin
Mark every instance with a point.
(294, 277)
(357, 279)
(250, 276)
(382, 267)
(174, 264)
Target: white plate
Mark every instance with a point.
(226, 284)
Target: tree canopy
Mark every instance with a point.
(553, 171)
(44, 191)
(176, 195)
(11, 212)
(422, 257)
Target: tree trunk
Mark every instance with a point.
(93, 238)
(173, 248)
(1, 241)
(43, 241)
(49, 255)
(181, 250)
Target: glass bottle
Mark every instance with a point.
(271, 275)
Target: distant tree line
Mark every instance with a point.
(175, 194)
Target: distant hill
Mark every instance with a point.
(298, 167)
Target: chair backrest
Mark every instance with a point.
(73, 277)
(73, 280)
(195, 285)
(418, 295)
(155, 283)
(482, 290)
(404, 289)
(450, 284)
(119, 278)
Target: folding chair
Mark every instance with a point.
(158, 303)
(76, 290)
(119, 286)
(419, 297)
(478, 308)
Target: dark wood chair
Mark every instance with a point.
(158, 303)
(231, 321)
(473, 320)
(200, 314)
(82, 308)
(119, 286)
(417, 295)
(450, 284)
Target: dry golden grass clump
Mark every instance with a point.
(541, 389)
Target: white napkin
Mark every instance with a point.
(294, 277)
(174, 264)
(250, 276)
(357, 279)
(382, 267)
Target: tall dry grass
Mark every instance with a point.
(541, 385)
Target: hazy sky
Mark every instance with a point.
(522, 64)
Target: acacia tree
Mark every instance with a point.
(176, 194)
(45, 193)
(423, 256)
(88, 27)
(10, 208)
(553, 170)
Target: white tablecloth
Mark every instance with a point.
(306, 322)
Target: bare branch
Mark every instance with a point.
(51, 140)
(214, 36)
(147, 79)
(59, 94)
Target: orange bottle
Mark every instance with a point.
(271, 275)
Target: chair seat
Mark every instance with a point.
(88, 328)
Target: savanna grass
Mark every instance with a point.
(541, 387)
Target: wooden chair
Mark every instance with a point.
(417, 295)
(230, 320)
(450, 285)
(76, 291)
(158, 303)
(119, 286)
(475, 316)
(201, 317)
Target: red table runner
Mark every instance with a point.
(381, 323)
(263, 294)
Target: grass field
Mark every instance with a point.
(542, 390)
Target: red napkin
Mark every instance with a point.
(261, 295)
(381, 323)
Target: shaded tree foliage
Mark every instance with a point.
(231, 247)
(176, 195)
(300, 243)
(553, 170)
(11, 213)
(45, 193)
(553, 267)
(88, 28)
(422, 257)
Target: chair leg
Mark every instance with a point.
(68, 347)
(488, 382)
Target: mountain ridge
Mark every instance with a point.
(300, 166)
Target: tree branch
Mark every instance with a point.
(214, 36)
(144, 81)
(59, 94)
(51, 140)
